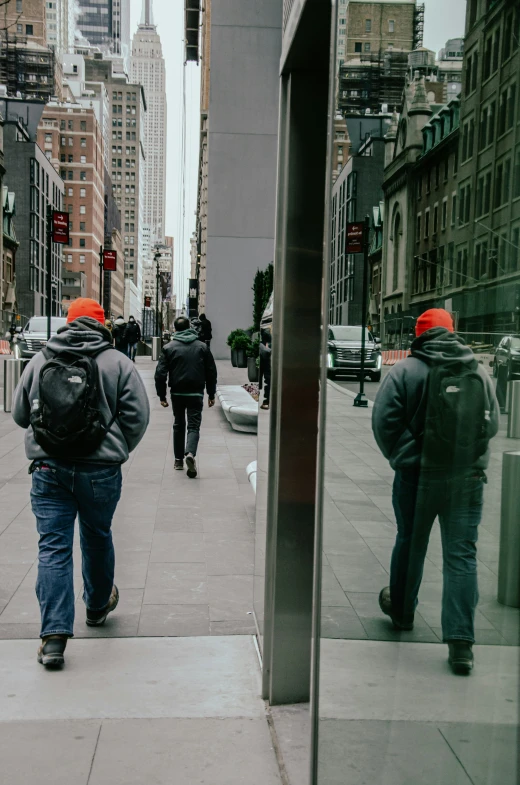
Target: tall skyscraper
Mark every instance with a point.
(106, 23)
(148, 69)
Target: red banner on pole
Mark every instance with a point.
(110, 261)
(355, 238)
(60, 227)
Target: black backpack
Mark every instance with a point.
(456, 418)
(66, 420)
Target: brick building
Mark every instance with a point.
(488, 235)
(36, 183)
(27, 19)
(72, 140)
(374, 40)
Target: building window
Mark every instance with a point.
(83, 142)
(435, 218)
(83, 192)
(82, 175)
(29, 30)
(391, 25)
(81, 242)
(444, 214)
(71, 191)
(368, 25)
(69, 258)
(358, 47)
(418, 229)
(82, 209)
(83, 125)
(82, 226)
(426, 224)
(82, 258)
(83, 159)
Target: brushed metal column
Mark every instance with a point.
(509, 557)
(297, 330)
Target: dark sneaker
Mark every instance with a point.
(191, 466)
(460, 657)
(385, 603)
(51, 651)
(264, 405)
(97, 618)
(178, 465)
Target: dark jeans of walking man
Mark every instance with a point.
(187, 366)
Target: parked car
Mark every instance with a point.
(508, 356)
(33, 337)
(344, 352)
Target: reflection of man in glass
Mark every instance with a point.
(265, 368)
(433, 418)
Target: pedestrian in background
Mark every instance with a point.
(433, 417)
(265, 369)
(205, 330)
(132, 337)
(118, 334)
(85, 409)
(187, 366)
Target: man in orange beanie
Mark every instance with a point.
(85, 409)
(433, 418)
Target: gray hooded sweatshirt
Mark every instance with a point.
(121, 391)
(400, 404)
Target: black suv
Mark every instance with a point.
(344, 353)
(508, 357)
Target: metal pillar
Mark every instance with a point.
(156, 348)
(513, 424)
(12, 372)
(297, 327)
(509, 558)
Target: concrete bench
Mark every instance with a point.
(239, 407)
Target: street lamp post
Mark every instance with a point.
(157, 258)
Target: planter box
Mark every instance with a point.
(241, 358)
(234, 358)
(252, 370)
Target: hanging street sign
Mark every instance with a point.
(60, 227)
(110, 261)
(355, 238)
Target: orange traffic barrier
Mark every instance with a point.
(4, 347)
(393, 356)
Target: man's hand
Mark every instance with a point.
(211, 402)
(165, 404)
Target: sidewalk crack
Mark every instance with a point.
(94, 753)
(456, 758)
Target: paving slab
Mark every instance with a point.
(184, 752)
(212, 676)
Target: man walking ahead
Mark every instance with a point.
(85, 409)
(188, 367)
(132, 337)
(433, 418)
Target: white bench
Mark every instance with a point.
(239, 407)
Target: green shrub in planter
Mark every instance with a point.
(232, 335)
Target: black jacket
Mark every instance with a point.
(118, 334)
(132, 332)
(206, 332)
(187, 365)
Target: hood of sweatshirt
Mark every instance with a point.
(83, 335)
(186, 336)
(119, 321)
(441, 347)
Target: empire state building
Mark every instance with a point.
(148, 69)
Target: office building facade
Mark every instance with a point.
(106, 24)
(148, 69)
(239, 126)
(72, 140)
(37, 185)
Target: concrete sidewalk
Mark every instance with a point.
(172, 693)
(184, 548)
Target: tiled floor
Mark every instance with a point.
(184, 548)
(359, 531)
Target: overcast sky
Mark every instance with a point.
(444, 19)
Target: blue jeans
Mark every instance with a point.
(418, 498)
(132, 350)
(60, 492)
